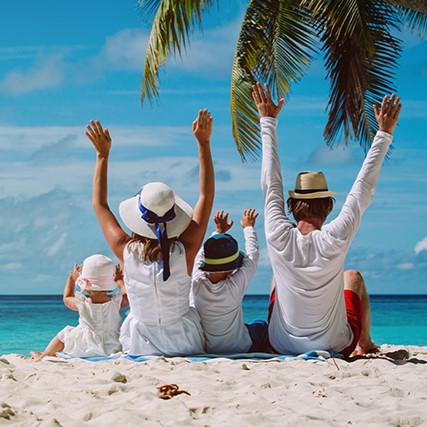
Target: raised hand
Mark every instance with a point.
(74, 275)
(202, 127)
(221, 222)
(118, 273)
(100, 138)
(249, 217)
(266, 106)
(389, 113)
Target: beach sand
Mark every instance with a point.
(385, 390)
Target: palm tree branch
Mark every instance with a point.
(416, 20)
(360, 59)
(273, 48)
(173, 22)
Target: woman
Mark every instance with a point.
(158, 258)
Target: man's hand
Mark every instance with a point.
(389, 113)
(249, 217)
(221, 222)
(100, 138)
(266, 106)
(202, 127)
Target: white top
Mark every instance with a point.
(309, 312)
(97, 333)
(160, 321)
(220, 304)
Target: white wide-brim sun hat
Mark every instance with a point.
(159, 198)
(311, 185)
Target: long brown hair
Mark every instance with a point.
(151, 251)
(303, 209)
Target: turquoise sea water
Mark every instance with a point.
(28, 322)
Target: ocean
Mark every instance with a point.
(29, 322)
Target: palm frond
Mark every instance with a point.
(416, 21)
(273, 48)
(360, 57)
(147, 8)
(173, 22)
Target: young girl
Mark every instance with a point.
(159, 257)
(99, 314)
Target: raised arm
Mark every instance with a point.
(364, 187)
(275, 220)
(113, 232)
(68, 295)
(193, 236)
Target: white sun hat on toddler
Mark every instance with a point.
(97, 274)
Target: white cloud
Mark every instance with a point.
(405, 266)
(12, 266)
(210, 52)
(45, 73)
(124, 50)
(325, 156)
(421, 246)
(56, 246)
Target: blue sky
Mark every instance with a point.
(61, 66)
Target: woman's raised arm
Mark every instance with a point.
(193, 236)
(116, 237)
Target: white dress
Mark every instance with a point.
(161, 321)
(97, 333)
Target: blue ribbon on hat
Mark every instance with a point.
(161, 232)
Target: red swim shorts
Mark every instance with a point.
(354, 316)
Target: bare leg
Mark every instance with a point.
(353, 281)
(55, 346)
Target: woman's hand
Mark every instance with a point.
(100, 138)
(202, 127)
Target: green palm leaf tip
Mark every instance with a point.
(172, 24)
(416, 21)
(360, 57)
(273, 47)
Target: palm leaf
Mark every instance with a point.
(273, 48)
(173, 22)
(417, 21)
(360, 58)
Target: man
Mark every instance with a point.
(317, 305)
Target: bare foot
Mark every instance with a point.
(368, 348)
(36, 355)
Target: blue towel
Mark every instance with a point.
(310, 355)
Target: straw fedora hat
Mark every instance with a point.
(158, 199)
(311, 185)
(97, 274)
(221, 254)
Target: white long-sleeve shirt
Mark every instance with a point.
(309, 312)
(220, 304)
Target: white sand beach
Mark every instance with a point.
(384, 390)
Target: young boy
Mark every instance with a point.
(220, 278)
